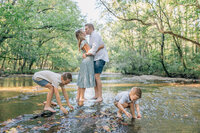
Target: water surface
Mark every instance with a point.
(165, 107)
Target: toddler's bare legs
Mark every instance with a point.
(119, 112)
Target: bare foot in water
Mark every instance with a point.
(94, 98)
(99, 100)
(81, 100)
(64, 110)
(80, 103)
(49, 109)
(52, 103)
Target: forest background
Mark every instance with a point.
(157, 37)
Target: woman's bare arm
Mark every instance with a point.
(86, 47)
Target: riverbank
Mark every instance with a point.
(135, 78)
(147, 78)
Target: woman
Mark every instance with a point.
(86, 77)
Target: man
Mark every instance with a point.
(100, 58)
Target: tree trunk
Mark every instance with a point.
(45, 61)
(176, 43)
(24, 63)
(15, 63)
(41, 65)
(180, 53)
(2, 65)
(31, 64)
(162, 55)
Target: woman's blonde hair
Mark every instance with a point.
(80, 37)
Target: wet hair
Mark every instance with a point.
(137, 91)
(90, 25)
(79, 37)
(66, 76)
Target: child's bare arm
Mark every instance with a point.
(67, 98)
(123, 110)
(138, 110)
(132, 108)
(59, 101)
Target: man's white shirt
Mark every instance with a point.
(95, 41)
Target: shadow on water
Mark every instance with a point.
(165, 107)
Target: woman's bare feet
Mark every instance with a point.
(64, 110)
(94, 98)
(99, 99)
(80, 103)
(49, 109)
(81, 100)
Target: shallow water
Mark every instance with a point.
(165, 107)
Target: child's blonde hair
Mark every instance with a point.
(137, 91)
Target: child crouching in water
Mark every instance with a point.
(51, 81)
(128, 99)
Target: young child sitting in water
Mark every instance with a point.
(128, 99)
(51, 81)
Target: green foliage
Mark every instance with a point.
(135, 41)
(39, 34)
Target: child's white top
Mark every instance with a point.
(123, 97)
(51, 77)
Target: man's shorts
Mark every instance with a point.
(98, 66)
(41, 82)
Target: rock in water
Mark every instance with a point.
(45, 113)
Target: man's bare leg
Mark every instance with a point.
(99, 87)
(95, 92)
(47, 106)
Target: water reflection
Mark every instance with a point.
(22, 81)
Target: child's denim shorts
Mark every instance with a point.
(42, 82)
(98, 66)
